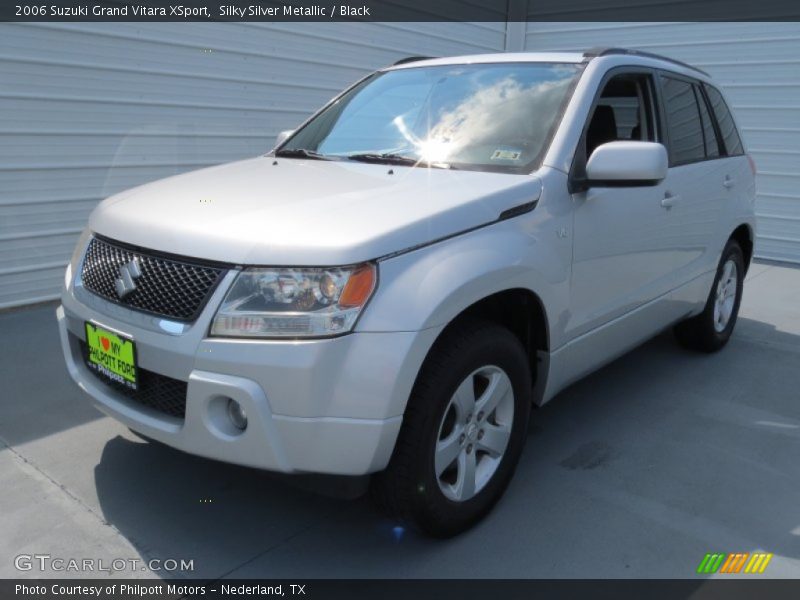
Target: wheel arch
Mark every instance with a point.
(743, 235)
(499, 273)
(522, 312)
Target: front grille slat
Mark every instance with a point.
(167, 287)
(159, 392)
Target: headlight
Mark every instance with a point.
(299, 302)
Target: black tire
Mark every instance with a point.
(699, 332)
(409, 489)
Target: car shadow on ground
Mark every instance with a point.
(636, 471)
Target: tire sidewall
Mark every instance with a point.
(502, 350)
(731, 251)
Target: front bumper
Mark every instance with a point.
(329, 406)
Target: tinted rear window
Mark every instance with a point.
(733, 143)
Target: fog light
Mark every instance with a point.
(236, 414)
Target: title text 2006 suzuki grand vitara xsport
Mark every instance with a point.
(446, 243)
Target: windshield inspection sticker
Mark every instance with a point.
(503, 154)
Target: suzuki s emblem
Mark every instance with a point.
(126, 281)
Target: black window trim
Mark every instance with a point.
(701, 97)
(576, 181)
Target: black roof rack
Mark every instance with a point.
(410, 59)
(595, 52)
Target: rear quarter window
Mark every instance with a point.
(727, 128)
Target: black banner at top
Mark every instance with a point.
(399, 10)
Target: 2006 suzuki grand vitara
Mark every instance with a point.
(388, 291)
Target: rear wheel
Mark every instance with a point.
(463, 431)
(710, 330)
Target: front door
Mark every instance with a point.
(626, 240)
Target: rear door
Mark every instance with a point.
(737, 176)
(698, 179)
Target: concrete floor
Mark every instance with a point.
(637, 471)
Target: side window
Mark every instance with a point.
(624, 111)
(709, 133)
(727, 128)
(686, 143)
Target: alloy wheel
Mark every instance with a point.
(474, 433)
(725, 298)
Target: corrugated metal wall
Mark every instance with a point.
(758, 65)
(87, 110)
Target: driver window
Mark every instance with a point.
(624, 111)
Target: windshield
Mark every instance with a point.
(495, 117)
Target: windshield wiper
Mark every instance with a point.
(301, 153)
(387, 158)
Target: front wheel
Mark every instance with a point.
(710, 330)
(463, 431)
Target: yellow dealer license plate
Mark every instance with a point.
(111, 356)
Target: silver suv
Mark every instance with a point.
(390, 290)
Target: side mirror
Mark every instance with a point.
(627, 164)
(283, 136)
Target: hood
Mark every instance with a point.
(306, 212)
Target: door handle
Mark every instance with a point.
(727, 182)
(669, 200)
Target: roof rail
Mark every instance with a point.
(410, 59)
(596, 52)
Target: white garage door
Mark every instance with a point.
(758, 64)
(89, 109)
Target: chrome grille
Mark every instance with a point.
(168, 287)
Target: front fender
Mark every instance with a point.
(430, 286)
